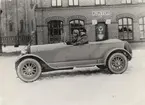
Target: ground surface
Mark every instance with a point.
(80, 87)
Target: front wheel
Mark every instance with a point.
(118, 63)
(29, 70)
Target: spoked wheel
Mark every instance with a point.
(29, 70)
(118, 63)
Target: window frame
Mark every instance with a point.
(56, 3)
(142, 1)
(126, 2)
(78, 28)
(100, 2)
(126, 25)
(73, 5)
(142, 24)
(59, 27)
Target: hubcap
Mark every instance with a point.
(29, 70)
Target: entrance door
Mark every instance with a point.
(101, 31)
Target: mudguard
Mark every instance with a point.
(39, 59)
(121, 50)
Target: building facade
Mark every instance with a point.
(123, 19)
(52, 19)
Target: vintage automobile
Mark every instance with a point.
(113, 54)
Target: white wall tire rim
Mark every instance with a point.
(29, 70)
(118, 63)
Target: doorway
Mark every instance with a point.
(101, 31)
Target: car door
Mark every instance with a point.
(96, 52)
(78, 53)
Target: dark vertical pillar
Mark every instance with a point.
(0, 33)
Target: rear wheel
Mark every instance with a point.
(29, 70)
(118, 63)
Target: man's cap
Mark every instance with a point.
(83, 30)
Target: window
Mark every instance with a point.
(56, 3)
(76, 24)
(141, 1)
(10, 26)
(55, 30)
(142, 27)
(125, 28)
(126, 1)
(21, 25)
(73, 2)
(100, 2)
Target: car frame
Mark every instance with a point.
(113, 54)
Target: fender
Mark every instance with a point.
(31, 56)
(110, 52)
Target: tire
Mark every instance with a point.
(118, 63)
(29, 70)
(101, 67)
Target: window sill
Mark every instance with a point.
(56, 6)
(142, 38)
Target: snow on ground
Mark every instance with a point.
(9, 49)
(78, 87)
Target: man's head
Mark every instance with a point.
(83, 31)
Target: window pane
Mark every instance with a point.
(144, 1)
(125, 35)
(144, 20)
(130, 29)
(82, 23)
(53, 2)
(144, 27)
(128, 1)
(125, 21)
(120, 29)
(120, 21)
(70, 2)
(141, 21)
(139, 1)
(76, 2)
(58, 2)
(129, 21)
(141, 27)
(125, 28)
(97, 2)
(123, 1)
(102, 1)
(76, 21)
(141, 34)
(130, 35)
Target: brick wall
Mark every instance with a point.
(117, 11)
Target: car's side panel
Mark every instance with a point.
(55, 55)
(78, 53)
(99, 50)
